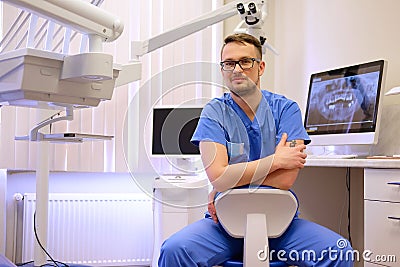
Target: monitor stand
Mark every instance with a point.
(180, 166)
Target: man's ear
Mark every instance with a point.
(261, 68)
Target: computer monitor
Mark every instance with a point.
(343, 105)
(173, 128)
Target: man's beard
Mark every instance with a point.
(240, 90)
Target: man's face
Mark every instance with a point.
(241, 81)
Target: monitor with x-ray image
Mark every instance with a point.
(343, 105)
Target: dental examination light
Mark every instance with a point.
(45, 79)
(253, 16)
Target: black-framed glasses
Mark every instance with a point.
(244, 64)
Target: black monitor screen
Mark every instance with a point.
(344, 100)
(172, 130)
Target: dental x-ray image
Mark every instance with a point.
(343, 100)
(349, 99)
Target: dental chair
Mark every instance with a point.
(255, 215)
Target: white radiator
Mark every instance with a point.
(94, 229)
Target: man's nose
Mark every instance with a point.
(237, 68)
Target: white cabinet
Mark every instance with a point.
(177, 203)
(382, 216)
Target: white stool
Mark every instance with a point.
(255, 214)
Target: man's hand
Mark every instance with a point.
(211, 207)
(289, 157)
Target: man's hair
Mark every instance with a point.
(243, 38)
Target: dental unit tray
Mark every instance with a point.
(70, 137)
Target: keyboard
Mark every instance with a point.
(332, 156)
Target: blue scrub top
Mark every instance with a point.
(224, 122)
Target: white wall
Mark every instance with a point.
(315, 35)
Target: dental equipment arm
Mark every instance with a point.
(80, 15)
(253, 17)
(140, 48)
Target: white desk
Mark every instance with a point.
(357, 163)
(375, 197)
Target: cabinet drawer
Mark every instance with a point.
(382, 234)
(382, 184)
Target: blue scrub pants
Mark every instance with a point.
(205, 243)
